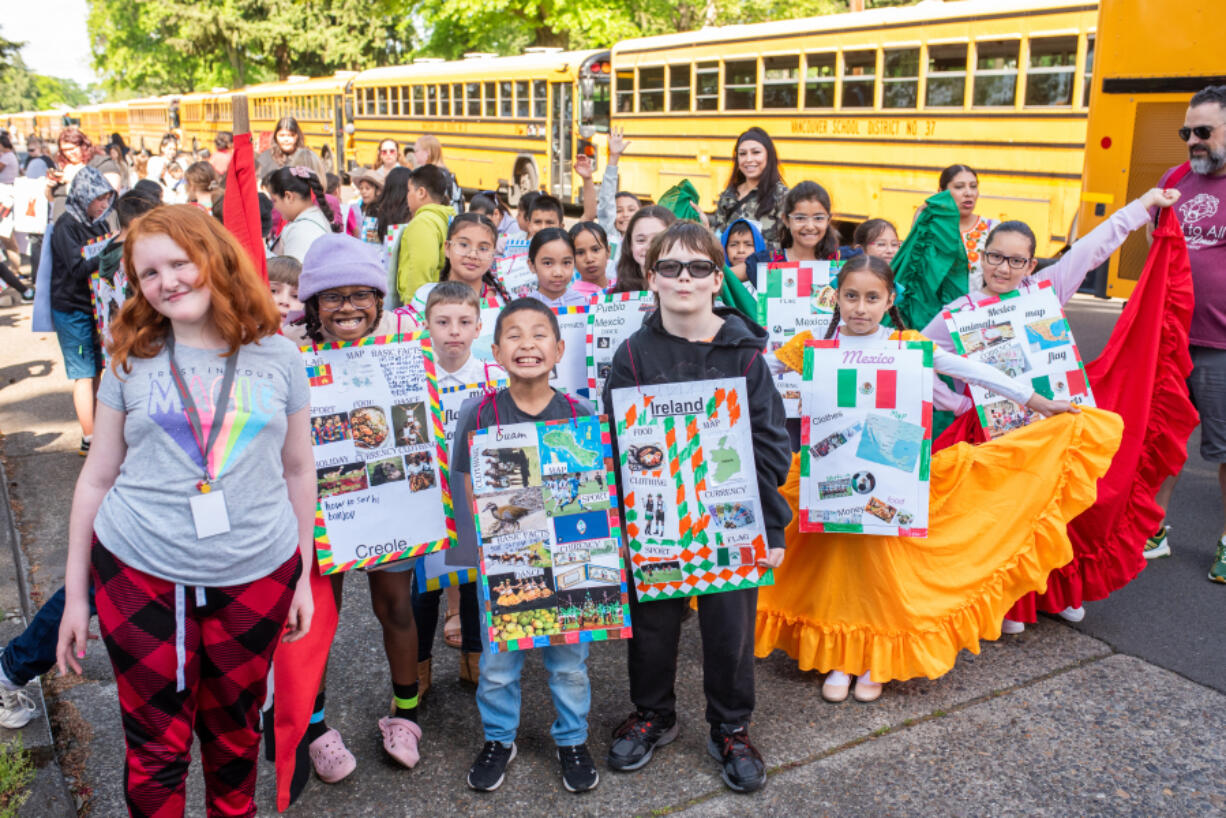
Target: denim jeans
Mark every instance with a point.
(32, 653)
(498, 692)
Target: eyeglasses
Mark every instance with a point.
(802, 218)
(997, 259)
(388, 150)
(361, 300)
(1201, 131)
(698, 268)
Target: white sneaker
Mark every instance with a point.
(16, 709)
(1011, 627)
(1073, 614)
(836, 687)
(866, 689)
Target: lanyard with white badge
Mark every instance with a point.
(209, 505)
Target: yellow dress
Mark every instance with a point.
(903, 607)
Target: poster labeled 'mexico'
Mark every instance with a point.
(1025, 335)
(545, 507)
(866, 438)
(689, 488)
(794, 296)
(611, 320)
(377, 432)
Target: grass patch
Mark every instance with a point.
(16, 773)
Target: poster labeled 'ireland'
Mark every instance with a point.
(377, 431)
(689, 488)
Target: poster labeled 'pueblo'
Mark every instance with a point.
(689, 488)
(612, 318)
(1025, 335)
(866, 443)
(794, 296)
(545, 506)
(377, 430)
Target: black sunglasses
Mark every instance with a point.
(698, 268)
(1201, 131)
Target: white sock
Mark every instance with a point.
(866, 676)
(838, 678)
(87, 438)
(5, 682)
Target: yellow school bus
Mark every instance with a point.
(99, 121)
(202, 115)
(872, 105)
(150, 119)
(1153, 58)
(511, 124)
(317, 104)
(20, 125)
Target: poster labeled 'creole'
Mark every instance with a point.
(866, 443)
(612, 319)
(377, 431)
(545, 506)
(1025, 335)
(794, 296)
(690, 488)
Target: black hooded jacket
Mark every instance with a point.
(735, 351)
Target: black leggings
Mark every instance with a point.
(425, 612)
(10, 278)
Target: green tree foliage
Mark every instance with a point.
(23, 90)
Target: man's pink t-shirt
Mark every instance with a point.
(1202, 212)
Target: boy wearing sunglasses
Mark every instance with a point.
(690, 339)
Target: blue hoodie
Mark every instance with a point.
(759, 243)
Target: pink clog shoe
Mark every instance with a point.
(400, 737)
(331, 758)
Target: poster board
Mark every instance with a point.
(413, 316)
(612, 318)
(1025, 335)
(794, 296)
(30, 206)
(513, 272)
(107, 295)
(545, 506)
(689, 488)
(570, 375)
(866, 438)
(377, 432)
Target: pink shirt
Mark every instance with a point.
(1202, 212)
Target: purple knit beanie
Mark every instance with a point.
(338, 260)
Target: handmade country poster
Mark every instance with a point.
(545, 506)
(30, 206)
(689, 488)
(107, 295)
(612, 318)
(377, 429)
(513, 272)
(570, 375)
(866, 438)
(433, 570)
(1025, 335)
(412, 317)
(794, 296)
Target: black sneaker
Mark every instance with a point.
(638, 736)
(490, 768)
(578, 770)
(744, 770)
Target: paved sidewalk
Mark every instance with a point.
(1052, 722)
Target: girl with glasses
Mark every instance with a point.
(388, 156)
(878, 238)
(805, 231)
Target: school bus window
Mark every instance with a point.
(523, 102)
(679, 87)
(1085, 99)
(457, 99)
(600, 107)
(419, 100)
(504, 98)
(900, 87)
(491, 99)
(381, 108)
(1049, 77)
(651, 89)
(819, 80)
(995, 73)
(431, 100)
(740, 85)
(625, 92)
(402, 101)
(706, 81)
(473, 91)
(781, 81)
(859, 78)
(540, 102)
(946, 76)
(444, 100)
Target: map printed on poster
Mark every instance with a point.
(794, 296)
(866, 443)
(377, 432)
(107, 298)
(545, 505)
(1025, 335)
(690, 488)
(612, 318)
(432, 570)
(514, 274)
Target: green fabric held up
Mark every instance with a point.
(682, 201)
(931, 265)
(733, 293)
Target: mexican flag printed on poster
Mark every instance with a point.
(611, 319)
(689, 488)
(794, 296)
(545, 506)
(866, 444)
(377, 435)
(1025, 335)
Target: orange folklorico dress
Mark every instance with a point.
(903, 607)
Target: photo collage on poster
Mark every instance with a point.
(108, 294)
(546, 514)
(794, 296)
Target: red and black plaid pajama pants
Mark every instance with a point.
(184, 659)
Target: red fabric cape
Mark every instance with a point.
(1141, 375)
(241, 204)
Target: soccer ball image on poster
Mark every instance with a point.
(689, 488)
(866, 444)
(794, 296)
(545, 506)
(377, 432)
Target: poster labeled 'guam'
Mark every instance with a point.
(866, 443)
(612, 319)
(794, 296)
(689, 488)
(1025, 335)
(545, 506)
(377, 430)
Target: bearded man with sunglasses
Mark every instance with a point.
(1202, 213)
